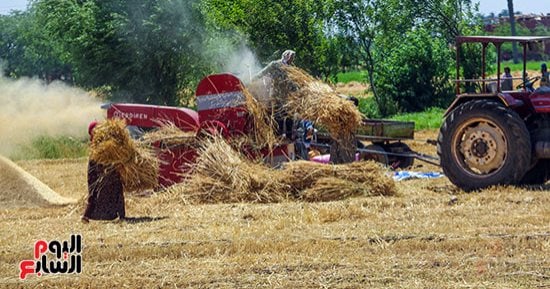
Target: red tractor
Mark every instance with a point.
(491, 136)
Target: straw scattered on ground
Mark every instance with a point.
(432, 236)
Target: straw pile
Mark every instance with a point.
(317, 101)
(263, 134)
(223, 175)
(18, 188)
(136, 163)
(319, 182)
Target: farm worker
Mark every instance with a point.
(105, 191)
(544, 79)
(306, 129)
(506, 80)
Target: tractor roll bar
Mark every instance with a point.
(497, 42)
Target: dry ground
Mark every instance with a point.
(423, 238)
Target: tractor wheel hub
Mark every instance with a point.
(483, 147)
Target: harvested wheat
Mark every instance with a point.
(222, 174)
(263, 134)
(332, 189)
(136, 163)
(319, 103)
(301, 175)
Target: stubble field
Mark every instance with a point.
(431, 235)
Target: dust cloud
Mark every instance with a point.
(30, 108)
(242, 62)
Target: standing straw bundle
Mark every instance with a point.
(136, 163)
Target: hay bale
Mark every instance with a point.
(136, 162)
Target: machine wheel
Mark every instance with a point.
(482, 143)
(397, 161)
(381, 158)
(538, 175)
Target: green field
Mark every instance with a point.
(346, 77)
(429, 119)
(531, 65)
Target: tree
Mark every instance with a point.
(356, 20)
(415, 75)
(25, 49)
(270, 27)
(513, 29)
(145, 51)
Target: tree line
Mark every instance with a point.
(156, 51)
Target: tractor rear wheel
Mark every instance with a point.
(482, 143)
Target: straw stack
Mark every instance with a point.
(317, 101)
(136, 163)
(319, 181)
(222, 174)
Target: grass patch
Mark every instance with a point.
(531, 65)
(428, 119)
(47, 147)
(345, 77)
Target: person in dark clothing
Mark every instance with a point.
(105, 191)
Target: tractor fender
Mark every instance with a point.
(505, 98)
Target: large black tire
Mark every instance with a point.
(482, 143)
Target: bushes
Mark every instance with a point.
(415, 74)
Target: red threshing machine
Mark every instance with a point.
(221, 108)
